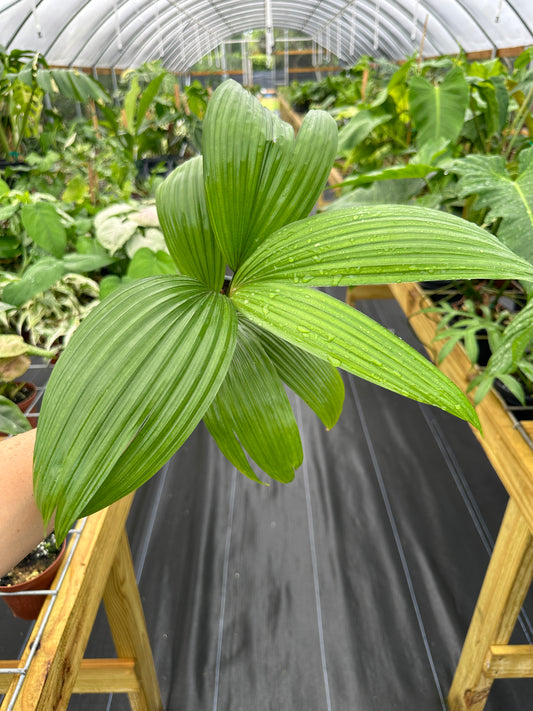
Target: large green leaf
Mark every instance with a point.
(438, 111)
(70, 83)
(316, 381)
(183, 217)
(12, 421)
(137, 377)
(390, 191)
(37, 278)
(511, 200)
(146, 263)
(380, 245)
(44, 227)
(360, 127)
(147, 97)
(253, 406)
(257, 176)
(348, 339)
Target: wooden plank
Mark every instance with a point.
(51, 676)
(509, 453)
(95, 676)
(510, 662)
(372, 291)
(505, 586)
(527, 426)
(128, 627)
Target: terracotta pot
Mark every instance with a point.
(28, 607)
(28, 402)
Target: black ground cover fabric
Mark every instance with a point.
(350, 589)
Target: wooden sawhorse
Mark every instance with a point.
(97, 566)
(486, 653)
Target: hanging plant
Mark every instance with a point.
(157, 356)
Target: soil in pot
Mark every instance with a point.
(35, 572)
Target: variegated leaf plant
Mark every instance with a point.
(162, 353)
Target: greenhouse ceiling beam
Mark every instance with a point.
(368, 10)
(173, 19)
(191, 56)
(392, 38)
(510, 5)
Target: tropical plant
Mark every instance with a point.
(41, 243)
(14, 362)
(505, 197)
(49, 318)
(24, 80)
(511, 361)
(177, 348)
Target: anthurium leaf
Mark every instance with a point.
(257, 176)
(44, 227)
(110, 420)
(315, 380)
(182, 213)
(380, 245)
(253, 401)
(12, 421)
(348, 339)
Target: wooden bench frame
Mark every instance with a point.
(97, 566)
(486, 654)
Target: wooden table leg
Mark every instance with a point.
(505, 586)
(128, 627)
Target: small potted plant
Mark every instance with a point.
(35, 572)
(188, 346)
(16, 396)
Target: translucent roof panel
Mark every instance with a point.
(125, 33)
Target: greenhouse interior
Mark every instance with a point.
(266, 355)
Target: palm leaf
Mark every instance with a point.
(328, 328)
(110, 421)
(257, 177)
(183, 217)
(254, 405)
(380, 245)
(316, 381)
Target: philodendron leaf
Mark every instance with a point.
(316, 381)
(253, 403)
(348, 339)
(380, 245)
(183, 217)
(508, 199)
(257, 176)
(159, 351)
